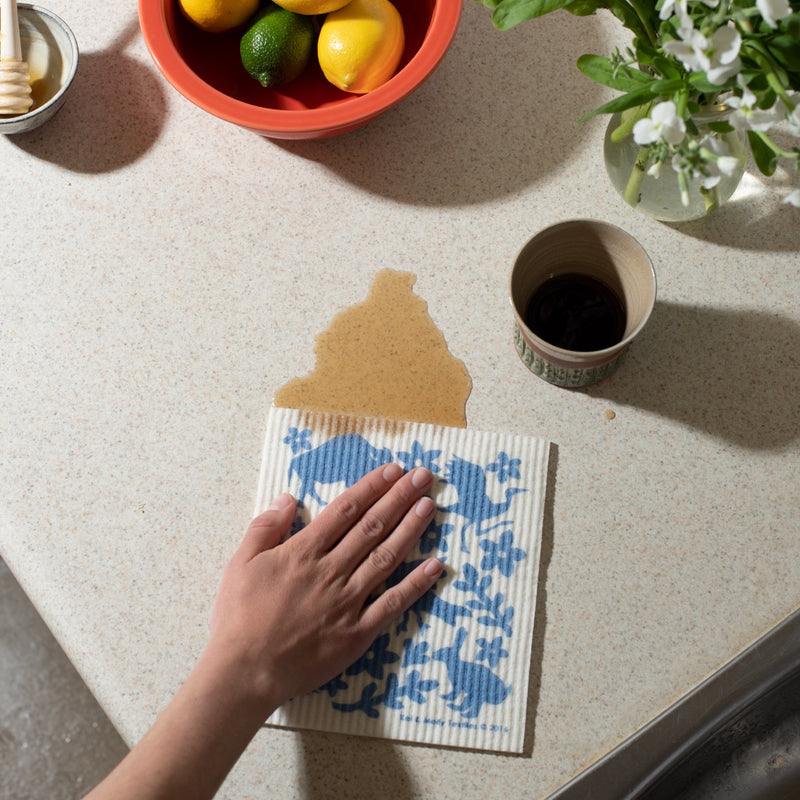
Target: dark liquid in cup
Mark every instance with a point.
(576, 312)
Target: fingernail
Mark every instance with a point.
(281, 502)
(392, 472)
(425, 507)
(433, 568)
(421, 478)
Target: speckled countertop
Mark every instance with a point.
(164, 273)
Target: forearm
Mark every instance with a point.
(184, 754)
(289, 615)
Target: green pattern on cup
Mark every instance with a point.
(558, 375)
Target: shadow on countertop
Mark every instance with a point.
(733, 374)
(756, 218)
(113, 114)
(499, 114)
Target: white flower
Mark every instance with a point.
(679, 8)
(793, 114)
(773, 10)
(724, 54)
(709, 176)
(727, 164)
(671, 7)
(717, 57)
(793, 198)
(691, 51)
(747, 116)
(662, 124)
(707, 161)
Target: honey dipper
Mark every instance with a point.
(15, 79)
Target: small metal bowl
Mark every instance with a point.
(51, 50)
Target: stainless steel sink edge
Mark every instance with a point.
(647, 755)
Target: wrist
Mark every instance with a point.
(241, 683)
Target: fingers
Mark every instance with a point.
(388, 529)
(347, 510)
(394, 601)
(268, 528)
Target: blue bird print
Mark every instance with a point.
(474, 503)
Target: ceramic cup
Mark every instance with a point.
(584, 248)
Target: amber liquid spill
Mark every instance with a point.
(385, 358)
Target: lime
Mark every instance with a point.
(360, 46)
(216, 16)
(277, 46)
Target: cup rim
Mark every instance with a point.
(586, 357)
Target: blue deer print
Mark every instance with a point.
(476, 682)
(473, 504)
(342, 459)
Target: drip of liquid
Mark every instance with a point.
(385, 358)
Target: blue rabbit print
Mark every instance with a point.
(446, 663)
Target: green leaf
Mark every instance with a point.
(766, 99)
(645, 93)
(721, 127)
(623, 11)
(582, 8)
(601, 69)
(666, 67)
(666, 87)
(702, 84)
(791, 26)
(764, 156)
(786, 51)
(621, 103)
(509, 13)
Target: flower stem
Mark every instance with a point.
(684, 189)
(633, 194)
(710, 198)
(628, 119)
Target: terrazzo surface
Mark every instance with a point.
(168, 273)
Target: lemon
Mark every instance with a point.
(311, 6)
(360, 45)
(216, 16)
(277, 46)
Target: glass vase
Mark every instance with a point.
(662, 193)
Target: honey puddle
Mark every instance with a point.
(384, 357)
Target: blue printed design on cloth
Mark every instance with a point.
(395, 674)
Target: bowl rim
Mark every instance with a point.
(73, 42)
(360, 109)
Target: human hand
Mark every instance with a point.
(290, 615)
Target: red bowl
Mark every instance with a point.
(206, 69)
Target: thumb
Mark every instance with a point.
(269, 528)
